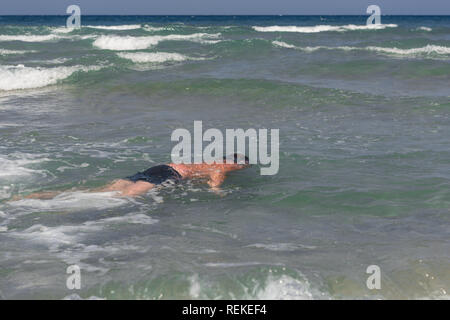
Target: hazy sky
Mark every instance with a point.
(225, 7)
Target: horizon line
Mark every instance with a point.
(222, 15)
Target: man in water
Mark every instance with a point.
(142, 182)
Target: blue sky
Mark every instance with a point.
(225, 7)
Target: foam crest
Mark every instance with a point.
(4, 52)
(124, 43)
(152, 57)
(55, 236)
(29, 38)
(131, 218)
(62, 30)
(283, 44)
(10, 168)
(154, 29)
(323, 28)
(285, 288)
(427, 50)
(21, 77)
(120, 27)
(73, 201)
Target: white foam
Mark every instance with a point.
(153, 29)
(427, 50)
(131, 218)
(152, 57)
(73, 201)
(5, 193)
(194, 288)
(54, 235)
(21, 77)
(425, 29)
(283, 44)
(285, 288)
(4, 52)
(29, 38)
(52, 61)
(62, 30)
(323, 28)
(15, 166)
(121, 27)
(123, 43)
(281, 246)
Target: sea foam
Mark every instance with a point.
(122, 43)
(120, 27)
(427, 50)
(21, 77)
(4, 52)
(152, 57)
(11, 167)
(322, 28)
(69, 201)
(29, 38)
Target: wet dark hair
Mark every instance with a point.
(236, 157)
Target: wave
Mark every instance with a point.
(120, 27)
(44, 38)
(152, 57)
(62, 30)
(425, 29)
(284, 44)
(122, 43)
(153, 29)
(427, 50)
(323, 28)
(10, 168)
(29, 38)
(73, 200)
(114, 28)
(273, 287)
(285, 288)
(21, 77)
(4, 52)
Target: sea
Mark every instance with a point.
(360, 206)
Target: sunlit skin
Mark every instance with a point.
(214, 174)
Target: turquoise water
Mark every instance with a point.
(364, 176)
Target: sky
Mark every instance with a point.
(225, 7)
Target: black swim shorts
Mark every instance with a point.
(157, 175)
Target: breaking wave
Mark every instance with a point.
(21, 77)
(122, 43)
(427, 50)
(323, 28)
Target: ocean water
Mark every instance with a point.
(364, 179)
